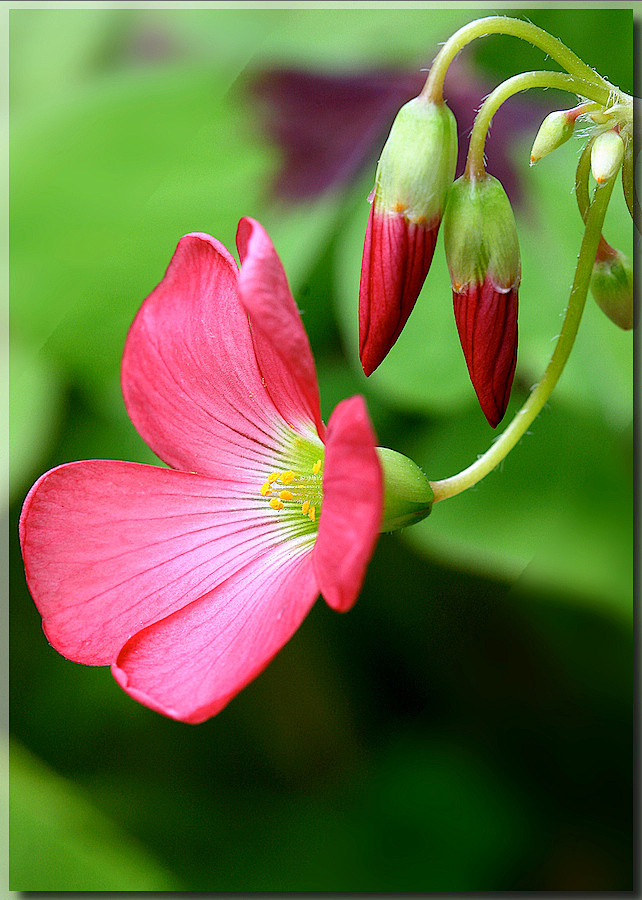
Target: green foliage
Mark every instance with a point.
(61, 842)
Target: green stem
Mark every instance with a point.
(522, 82)
(449, 487)
(433, 89)
(582, 180)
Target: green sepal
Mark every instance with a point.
(480, 234)
(417, 164)
(408, 495)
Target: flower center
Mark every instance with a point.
(296, 494)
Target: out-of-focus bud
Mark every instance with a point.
(408, 495)
(612, 285)
(607, 154)
(415, 171)
(482, 251)
(554, 131)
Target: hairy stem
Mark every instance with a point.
(522, 82)
(433, 89)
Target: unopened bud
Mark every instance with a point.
(482, 250)
(612, 286)
(408, 495)
(554, 131)
(607, 154)
(416, 169)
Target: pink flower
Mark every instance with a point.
(188, 580)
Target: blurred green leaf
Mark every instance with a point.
(103, 186)
(52, 50)
(559, 507)
(34, 414)
(308, 35)
(61, 842)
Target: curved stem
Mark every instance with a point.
(433, 88)
(522, 82)
(449, 487)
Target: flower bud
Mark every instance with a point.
(482, 251)
(415, 171)
(607, 154)
(408, 494)
(554, 131)
(612, 285)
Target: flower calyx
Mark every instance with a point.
(408, 495)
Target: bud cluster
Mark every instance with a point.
(415, 190)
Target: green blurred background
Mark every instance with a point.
(468, 726)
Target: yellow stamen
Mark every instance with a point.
(316, 467)
(266, 489)
(286, 495)
(312, 514)
(287, 477)
(273, 477)
(276, 504)
(305, 507)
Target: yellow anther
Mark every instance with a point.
(316, 467)
(312, 514)
(273, 477)
(266, 489)
(305, 507)
(287, 477)
(286, 495)
(276, 504)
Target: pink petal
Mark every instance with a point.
(487, 324)
(397, 255)
(110, 547)
(190, 379)
(352, 505)
(282, 347)
(190, 665)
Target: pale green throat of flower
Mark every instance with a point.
(295, 491)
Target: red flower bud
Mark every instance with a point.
(415, 171)
(396, 257)
(487, 324)
(482, 250)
